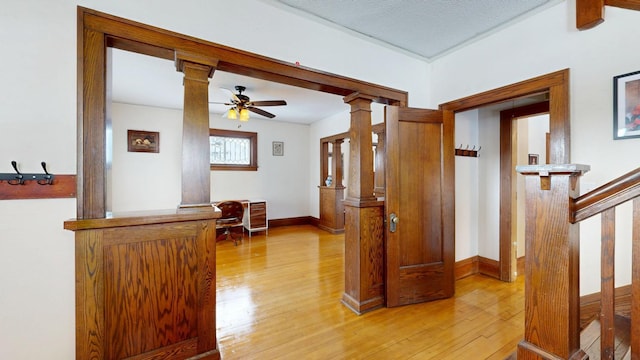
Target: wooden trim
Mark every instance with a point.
(556, 84)
(520, 265)
(135, 218)
(466, 267)
(235, 60)
(97, 31)
(332, 138)
(253, 139)
(589, 13)
(607, 196)
(63, 186)
(625, 4)
(508, 207)
(476, 265)
(489, 267)
(300, 220)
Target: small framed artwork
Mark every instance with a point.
(626, 106)
(533, 159)
(278, 148)
(143, 141)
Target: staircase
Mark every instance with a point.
(552, 302)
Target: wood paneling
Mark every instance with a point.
(146, 290)
(332, 209)
(364, 257)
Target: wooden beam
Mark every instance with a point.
(589, 13)
(625, 4)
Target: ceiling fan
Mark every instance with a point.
(241, 105)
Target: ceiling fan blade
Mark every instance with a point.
(233, 96)
(261, 112)
(268, 103)
(221, 103)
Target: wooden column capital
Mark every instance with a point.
(194, 60)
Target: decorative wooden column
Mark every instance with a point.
(364, 216)
(196, 180)
(552, 298)
(378, 176)
(332, 196)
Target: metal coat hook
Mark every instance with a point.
(19, 178)
(467, 152)
(47, 178)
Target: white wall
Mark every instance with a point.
(146, 181)
(489, 184)
(466, 187)
(280, 180)
(38, 123)
(549, 42)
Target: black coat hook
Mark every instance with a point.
(19, 178)
(47, 178)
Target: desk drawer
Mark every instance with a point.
(257, 215)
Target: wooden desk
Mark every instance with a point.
(255, 215)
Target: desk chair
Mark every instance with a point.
(232, 212)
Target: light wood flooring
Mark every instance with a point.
(278, 297)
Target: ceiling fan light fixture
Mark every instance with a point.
(244, 115)
(231, 114)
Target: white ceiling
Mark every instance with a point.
(422, 28)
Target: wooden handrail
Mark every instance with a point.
(607, 196)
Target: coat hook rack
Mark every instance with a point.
(468, 152)
(19, 178)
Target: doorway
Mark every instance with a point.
(556, 87)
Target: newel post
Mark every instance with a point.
(552, 259)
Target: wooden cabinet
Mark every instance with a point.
(255, 216)
(332, 209)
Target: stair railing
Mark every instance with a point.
(604, 201)
(552, 306)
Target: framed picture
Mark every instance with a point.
(278, 148)
(143, 141)
(626, 106)
(533, 159)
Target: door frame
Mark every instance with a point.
(556, 85)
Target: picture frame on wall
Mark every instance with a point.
(626, 106)
(533, 159)
(143, 141)
(278, 148)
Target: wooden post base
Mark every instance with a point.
(364, 256)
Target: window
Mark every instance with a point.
(233, 150)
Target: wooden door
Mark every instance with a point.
(419, 203)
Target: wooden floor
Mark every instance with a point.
(278, 297)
